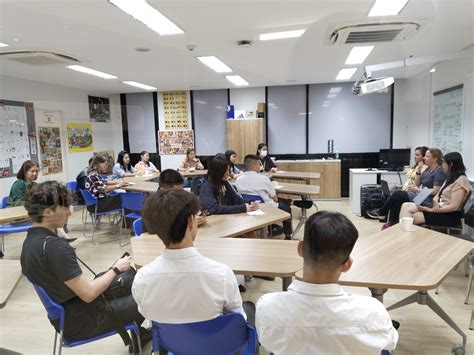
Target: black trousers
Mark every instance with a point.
(106, 204)
(249, 309)
(85, 320)
(287, 224)
(393, 205)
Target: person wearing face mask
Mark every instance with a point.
(267, 163)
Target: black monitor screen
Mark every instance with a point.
(394, 159)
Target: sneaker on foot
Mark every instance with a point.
(375, 214)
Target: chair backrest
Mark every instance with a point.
(72, 185)
(4, 201)
(89, 199)
(54, 310)
(137, 227)
(252, 198)
(225, 334)
(132, 200)
(466, 204)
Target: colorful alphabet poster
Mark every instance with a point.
(175, 108)
(175, 142)
(51, 159)
(79, 137)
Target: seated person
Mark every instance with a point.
(217, 195)
(26, 178)
(253, 183)
(419, 166)
(171, 179)
(145, 166)
(100, 187)
(433, 177)
(181, 285)
(81, 182)
(123, 168)
(191, 162)
(267, 163)
(315, 315)
(234, 172)
(50, 262)
(447, 204)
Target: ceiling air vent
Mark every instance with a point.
(362, 33)
(38, 58)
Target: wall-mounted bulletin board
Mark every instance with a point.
(17, 136)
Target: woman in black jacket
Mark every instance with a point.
(217, 195)
(267, 162)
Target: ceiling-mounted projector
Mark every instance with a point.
(370, 85)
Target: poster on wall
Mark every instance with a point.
(79, 137)
(51, 160)
(48, 116)
(175, 142)
(17, 127)
(175, 108)
(99, 109)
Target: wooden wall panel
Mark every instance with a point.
(243, 136)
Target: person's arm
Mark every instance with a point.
(183, 166)
(140, 167)
(118, 171)
(209, 202)
(87, 290)
(457, 199)
(199, 165)
(418, 173)
(17, 193)
(271, 190)
(233, 300)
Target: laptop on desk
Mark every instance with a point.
(385, 188)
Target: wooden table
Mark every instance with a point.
(294, 175)
(10, 271)
(194, 173)
(232, 225)
(258, 257)
(149, 187)
(13, 214)
(418, 260)
(141, 178)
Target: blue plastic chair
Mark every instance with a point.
(10, 228)
(137, 227)
(225, 334)
(57, 311)
(132, 201)
(90, 200)
(252, 198)
(72, 185)
(4, 201)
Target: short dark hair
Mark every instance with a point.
(166, 213)
(49, 194)
(250, 159)
(169, 178)
(27, 165)
(329, 238)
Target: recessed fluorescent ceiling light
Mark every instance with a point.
(3, 45)
(237, 80)
(331, 96)
(346, 74)
(432, 70)
(357, 55)
(387, 7)
(215, 64)
(148, 15)
(139, 85)
(89, 71)
(281, 35)
(335, 90)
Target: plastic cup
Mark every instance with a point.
(407, 224)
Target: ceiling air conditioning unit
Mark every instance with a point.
(372, 32)
(38, 58)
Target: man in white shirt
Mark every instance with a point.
(316, 316)
(254, 183)
(181, 285)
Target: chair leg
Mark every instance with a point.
(2, 250)
(469, 282)
(55, 341)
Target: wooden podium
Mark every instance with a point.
(243, 136)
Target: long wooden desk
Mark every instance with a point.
(13, 214)
(418, 260)
(10, 276)
(149, 187)
(297, 189)
(141, 178)
(294, 175)
(259, 257)
(194, 173)
(232, 225)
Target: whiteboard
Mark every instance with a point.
(468, 125)
(447, 120)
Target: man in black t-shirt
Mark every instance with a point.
(51, 263)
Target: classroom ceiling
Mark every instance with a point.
(104, 38)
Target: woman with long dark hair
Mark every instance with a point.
(26, 178)
(446, 209)
(123, 168)
(231, 156)
(418, 167)
(145, 165)
(217, 195)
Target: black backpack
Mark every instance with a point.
(372, 202)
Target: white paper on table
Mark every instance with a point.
(258, 212)
(131, 183)
(278, 187)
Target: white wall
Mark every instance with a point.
(74, 107)
(413, 101)
(141, 122)
(247, 99)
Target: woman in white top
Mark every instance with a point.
(191, 162)
(123, 168)
(145, 165)
(447, 204)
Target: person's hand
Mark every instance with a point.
(424, 208)
(122, 184)
(397, 186)
(201, 219)
(251, 206)
(419, 166)
(123, 264)
(274, 170)
(414, 189)
(141, 172)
